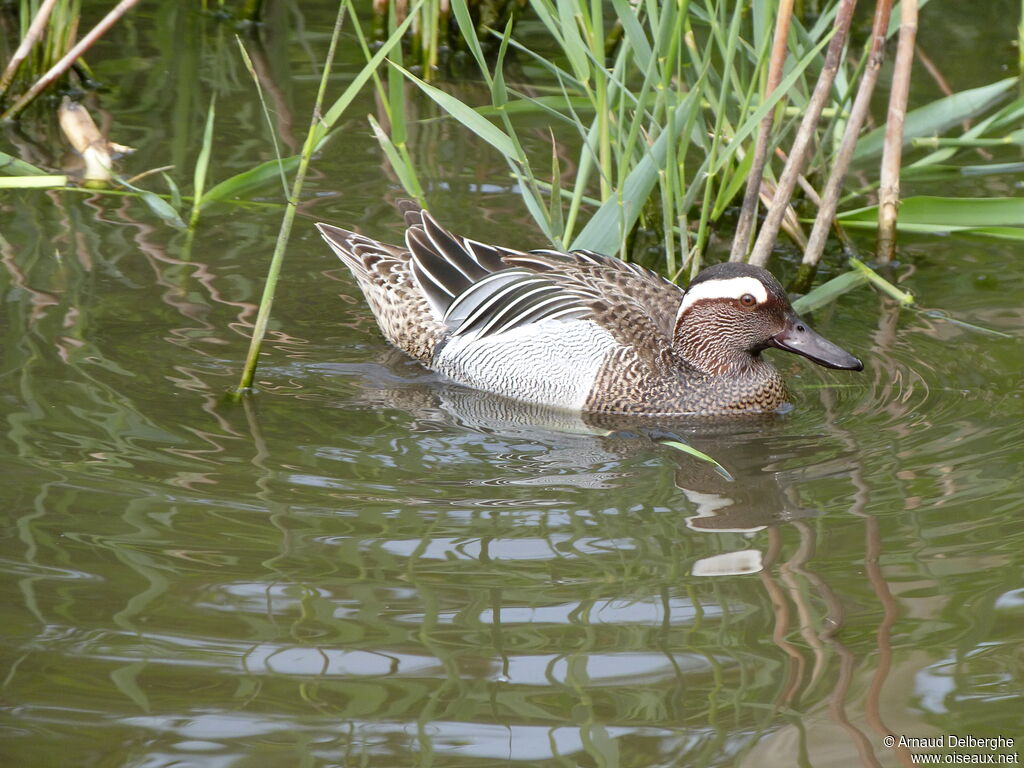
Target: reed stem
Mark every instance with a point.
(745, 225)
(267, 301)
(69, 58)
(858, 113)
(798, 153)
(889, 186)
(35, 31)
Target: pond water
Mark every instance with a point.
(364, 565)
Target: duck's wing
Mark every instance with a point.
(637, 306)
(513, 298)
(446, 265)
(519, 298)
(614, 281)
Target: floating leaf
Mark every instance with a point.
(680, 446)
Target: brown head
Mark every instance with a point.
(731, 312)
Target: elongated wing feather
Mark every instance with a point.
(513, 298)
(446, 265)
(625, 288)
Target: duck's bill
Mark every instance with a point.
(800, 339)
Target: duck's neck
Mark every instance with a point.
(709, 356)
(733, 380)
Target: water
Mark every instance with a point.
(364, 565)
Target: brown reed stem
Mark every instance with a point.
(69, 58)
(858, 113)
(889, 186)
(798, 153)
(745, 225)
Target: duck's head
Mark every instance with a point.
(731, 312)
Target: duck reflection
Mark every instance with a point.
(755, 486)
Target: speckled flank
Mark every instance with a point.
(627, 384)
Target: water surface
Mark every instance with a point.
(364, 565)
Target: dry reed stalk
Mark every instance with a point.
(35, 31)
(790, 222)
(745, 225)
(802, 142)
(858, 113)
(805, 185)
(889, 185)
(69, 58)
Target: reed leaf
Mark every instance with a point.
(13, 166)
(938, 116)
(33, 182)
(243, 184)
(172, 186)
(266, 112)
(617, 215)
(466, 115)
(163, 209)
(829, 291)
(337, 109)
(996, 217)
(202, 164)
(401, 165)
(881, 283)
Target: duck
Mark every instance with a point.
(579, 330)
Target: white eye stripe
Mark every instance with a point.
(730, 288)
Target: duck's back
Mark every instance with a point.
(540, 326)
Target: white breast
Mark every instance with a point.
(550, 363)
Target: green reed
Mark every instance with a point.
(320, 124)
(665, 113)
(665, 101)
(277, 259)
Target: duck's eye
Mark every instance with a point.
(748, 300)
